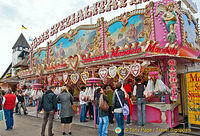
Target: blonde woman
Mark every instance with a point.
(67, 112)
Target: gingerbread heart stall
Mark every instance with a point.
(112, 71)
(84, 76)
(123, 72)
(135, 69)
(103, 72)
(74, 78)
(65, 76)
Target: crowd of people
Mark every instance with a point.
(114, 97)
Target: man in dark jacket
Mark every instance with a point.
(49, 104)
(21, 103)
(117, 108)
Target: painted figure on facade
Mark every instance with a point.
(61, 52)
(170, 19)
(132, 33)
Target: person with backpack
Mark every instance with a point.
(117, 108)
(102, 101)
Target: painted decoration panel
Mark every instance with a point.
(167, 22)
(127, 34)
(81, 43)
(190, 32)
(39, 58)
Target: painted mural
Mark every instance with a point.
(127, 34)
(81, 43)
(190, 32)
(39, 58)
(167, 22)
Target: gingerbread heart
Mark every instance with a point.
(123, 72)
(112, 71)
(135, 69)
(103, 72)
(84, 76)
(59, 78)
(49, 79)
(65, 76)
(73, 61)
(74, 78)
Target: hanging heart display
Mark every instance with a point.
(73, 61)
(49, 79)
(84, 76)
(59, 78)
(103, 72)
(74, 78)
(112, 71)
(135, 69)
(65, 76)
(123, 72)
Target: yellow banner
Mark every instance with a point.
(193, 97)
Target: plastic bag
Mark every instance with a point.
(39, 95)
(57, 90)
(149, 89)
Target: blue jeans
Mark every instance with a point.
(120, 122)
(141, 107)
(9, 118)
(82, 115)
(97, 114)
(33, 103)
(103, 126)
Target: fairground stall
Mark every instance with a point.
(152, 43)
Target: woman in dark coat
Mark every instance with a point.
(67, 112)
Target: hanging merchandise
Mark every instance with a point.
(74, 78)
(49, 79)
(123, 72)
(103, 72)
(160, 87)
(59, 78)
(112, 71)
(149, 89)
(65, 76)
(84, 76)
(135, 69)
(86, 93)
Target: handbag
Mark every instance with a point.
(103, 105)
(125, 108)
(1, 115)
(74, 107)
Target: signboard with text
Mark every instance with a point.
(193, 97)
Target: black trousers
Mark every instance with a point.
(110, 115)
(90, 108)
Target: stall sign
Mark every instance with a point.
(115, 53)
(99, 7)
(193, 97)
(155, 48)
(173, 79)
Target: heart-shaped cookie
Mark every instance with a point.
(74, 78)
(65, 76)
(112, 71)
(84, 76)
(103, 72)
(123, 72)
(73, 61)
(135, 69)
(59, 78)
(49, 79)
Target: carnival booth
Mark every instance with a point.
(151, 43)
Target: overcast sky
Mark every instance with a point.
(38, 16)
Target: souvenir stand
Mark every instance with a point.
(150, 43)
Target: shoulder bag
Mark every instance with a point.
(125, 108)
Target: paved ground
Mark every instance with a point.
(30, 125)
